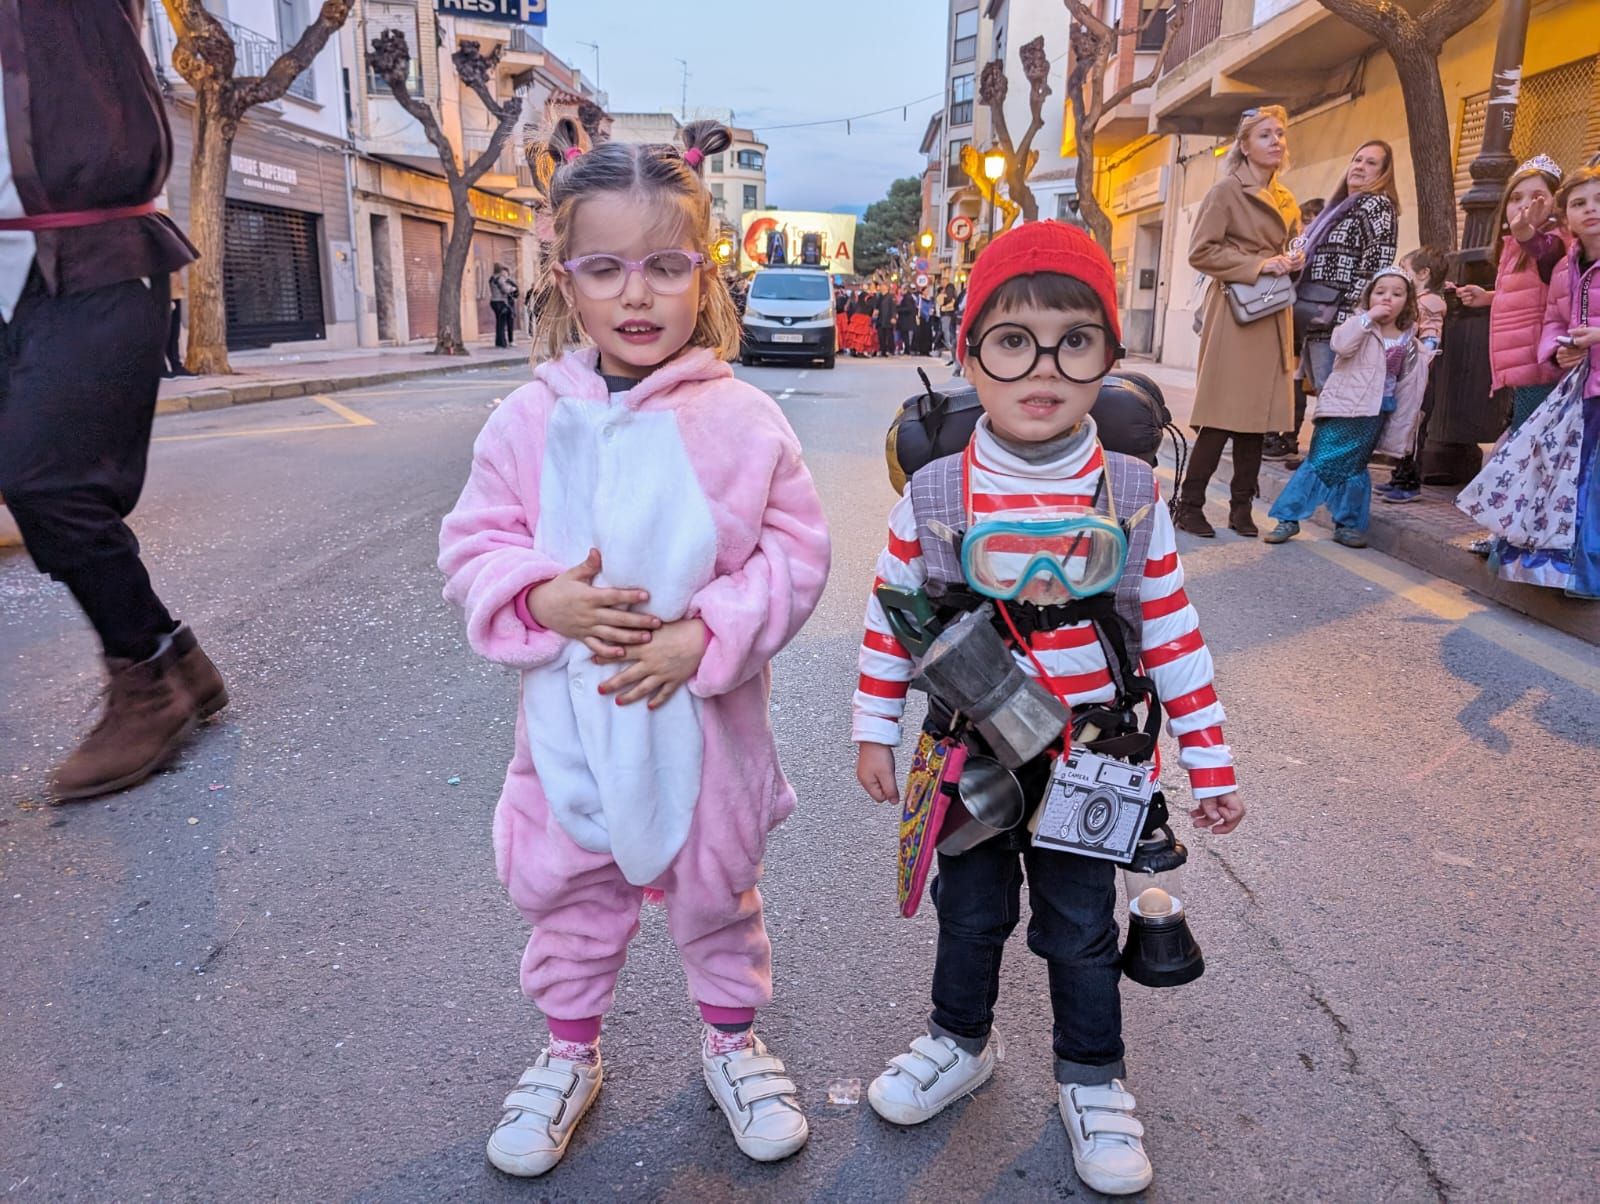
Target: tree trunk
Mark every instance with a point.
(454, 272)
(208, 182)
(1428, 125)
(1088, 204)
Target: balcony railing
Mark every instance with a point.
(254, 53)
(475, 142)
(1201, 27)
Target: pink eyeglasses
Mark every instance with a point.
(603, 277)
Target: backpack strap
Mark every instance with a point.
(939, 505)
(1133, 492)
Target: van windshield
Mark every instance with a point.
(790, 286)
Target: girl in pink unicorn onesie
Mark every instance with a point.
(639, 536)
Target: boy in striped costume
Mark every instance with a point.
(1040, 331)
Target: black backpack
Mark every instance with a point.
(1130, 414)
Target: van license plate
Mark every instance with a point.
(788, 338)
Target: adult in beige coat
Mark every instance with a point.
(1245, 386)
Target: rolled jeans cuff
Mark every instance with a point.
(971, 1045)
(1089, 1076)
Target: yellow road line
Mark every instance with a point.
(1517, 635)
(351, 420)
(344, 411)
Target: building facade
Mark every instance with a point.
(290, 276)
(737, 177)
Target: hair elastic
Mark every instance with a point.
(694, 156)
(573, 152)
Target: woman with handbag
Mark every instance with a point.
(1353, 237)
(1245, 385)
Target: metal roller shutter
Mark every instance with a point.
(423, 244)
(272, 276)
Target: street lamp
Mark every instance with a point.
(994, 169)
(925, 240)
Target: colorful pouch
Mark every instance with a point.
(930, 785)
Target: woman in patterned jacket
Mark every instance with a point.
(1352, 238)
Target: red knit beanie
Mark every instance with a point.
(1040, 247)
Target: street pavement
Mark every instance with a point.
(284, 969)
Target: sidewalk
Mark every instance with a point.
(269, 375)
(1430, 534)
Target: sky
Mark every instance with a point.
(776, 63)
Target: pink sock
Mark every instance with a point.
(575, 1051)
(718, 1042)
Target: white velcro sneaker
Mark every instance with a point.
(923, 1083)
(541, 1113)
(1106, 1148)
(758, 1098)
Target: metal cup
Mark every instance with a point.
(992, 802)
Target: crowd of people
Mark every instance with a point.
(886, 319)
(1355, 338)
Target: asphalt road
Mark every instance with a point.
(284, 969)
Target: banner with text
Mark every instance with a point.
(833, 237)
(516, 12)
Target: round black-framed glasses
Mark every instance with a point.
(1009, 351)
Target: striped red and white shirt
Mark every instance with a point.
(1175, 655)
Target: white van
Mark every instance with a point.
(789, 315)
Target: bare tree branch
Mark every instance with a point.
(288, 67)
(1443, 19)
(390, 59)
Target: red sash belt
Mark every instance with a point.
(82, 217)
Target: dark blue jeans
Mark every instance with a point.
(1072, 925)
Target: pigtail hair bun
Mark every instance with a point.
(706, 137)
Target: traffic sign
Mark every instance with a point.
(960, 228)
(922, 280)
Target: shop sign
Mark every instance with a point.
(263, 175)
(515, 12)
(493, 209)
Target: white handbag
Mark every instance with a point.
(1267, 296)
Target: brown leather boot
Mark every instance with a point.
(198, 675)
(1186, 516)
(148, 715)
(1241, 521)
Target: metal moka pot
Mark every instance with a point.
(990, 800)
(969, 668)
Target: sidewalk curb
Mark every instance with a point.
(278, 390)
(1453, 562)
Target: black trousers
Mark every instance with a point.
(1207, 454)
(1072, 925)
(174, 328)
(505, 323)
(78, 380)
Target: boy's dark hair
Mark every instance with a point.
(1432, 260)
(1046, 290)
(1310, 208)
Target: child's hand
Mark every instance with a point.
(572, 606)
(1569, 356)
(1382, 309)
(1219, 815)
(875, 772)
(661, 666)
(1472, 296)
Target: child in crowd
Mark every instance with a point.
(639, 537)
(1040, 331)
(1370, 402)
(1531, 244)
(1538, 494)
(1427, 266)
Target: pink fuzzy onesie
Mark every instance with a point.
(692, 487)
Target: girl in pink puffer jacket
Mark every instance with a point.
(1531, 248)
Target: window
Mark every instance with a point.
(966, 45)
(1153, 34)
(292, 21)
(1066, 206)
(1000, 44)
(954, 177)
(791, 286)
(750, 201)
(1553, 118)
(961, 99)
(750, 160)
(716, 192)
(403, 17)
(716, 163)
